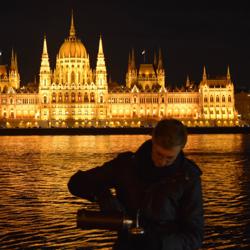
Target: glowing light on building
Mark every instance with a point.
(75, 95)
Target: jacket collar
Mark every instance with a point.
(146, 168)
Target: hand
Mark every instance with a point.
(109, 203)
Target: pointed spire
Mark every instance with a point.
(72, 32)
(100, 50)
(45, 57)
(160, 63)
(129, 61)
(12, 54)
(110, 79)
(228, 73)
(16, 65)
(100, 56)
(12, 62)
(155, 60)
(187, 82)
(204, 77)
(45, 50)
(101, 71)
(133, 59)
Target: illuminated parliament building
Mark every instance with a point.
(76, 95)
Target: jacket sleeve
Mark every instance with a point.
(187, 232)
(92, 183)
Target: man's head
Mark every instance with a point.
(169, 138)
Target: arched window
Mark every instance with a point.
(66, 97)
(79, 79)
(66, 78)
(217, 98)
(45, 99)
(211, 98)
(223, 98)
(12, 114)
(86, 98)
(73, 97)
(79, 97)
(229, 98)
(205, 99)
(72, 77)
(101, 99)
(92, 97)
(54, 97)
(60, 97)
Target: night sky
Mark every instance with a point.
(190, 36)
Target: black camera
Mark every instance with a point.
(87, 219)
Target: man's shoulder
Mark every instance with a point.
(127, 155)
(192, 168)
(124, 162)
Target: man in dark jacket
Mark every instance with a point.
(157, 182)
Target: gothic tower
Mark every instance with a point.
(228, 74)
(160, 71)
(204, 75)
(101, 83)
(131, 76)
(101, 72)
(14, 78)
(45, 75)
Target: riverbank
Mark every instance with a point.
(116, 131)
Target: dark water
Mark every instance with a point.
(37, 211)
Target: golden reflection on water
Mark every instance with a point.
(37, 209)
(223, 160)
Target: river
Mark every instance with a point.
(38, 212)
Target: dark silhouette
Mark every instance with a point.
(157, 187)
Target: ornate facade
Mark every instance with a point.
(11, 77)
(75, 95)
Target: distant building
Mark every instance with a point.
(75, 95)
(9, 77)
(242, 103)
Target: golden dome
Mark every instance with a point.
(72, 48)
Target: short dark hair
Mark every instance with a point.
(169, 133)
